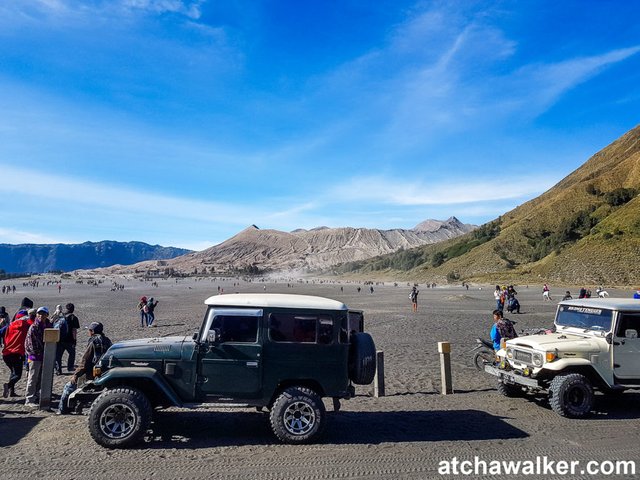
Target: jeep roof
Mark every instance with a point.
(607, 303)
(274, 300)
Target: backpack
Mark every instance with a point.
(150, 306)
(101, 344)
(62, 325)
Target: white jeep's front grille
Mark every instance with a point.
(525, 357)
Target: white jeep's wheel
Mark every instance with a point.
(120, 417)
(571, 395)
(297, 416)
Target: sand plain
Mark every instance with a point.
(406, 434)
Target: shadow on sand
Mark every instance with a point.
(14, 429)
(210, 429)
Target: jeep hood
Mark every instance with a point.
(562, 342)
(150, 348)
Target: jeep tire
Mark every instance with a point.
(508, 390)
(120, 417)
(362, 359)
(571, 395)
(297, 416)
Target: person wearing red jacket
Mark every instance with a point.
(13, 352)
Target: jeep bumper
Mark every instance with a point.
(512, 378)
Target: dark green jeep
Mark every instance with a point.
(282, 352)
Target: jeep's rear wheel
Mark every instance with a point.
(362, 359)
(297, 416)
(508, 390)
(119, 418)
(571, 395)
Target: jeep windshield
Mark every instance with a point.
(585, 318)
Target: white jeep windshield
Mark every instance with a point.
(584, 317)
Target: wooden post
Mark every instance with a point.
(445, 367)
(51, 339)
(378, 382)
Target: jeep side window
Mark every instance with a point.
(628, 321)
(236, 329)
(285, 327)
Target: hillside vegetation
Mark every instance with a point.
(586, 229)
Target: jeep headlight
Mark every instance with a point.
(510, 353)
(537, 359)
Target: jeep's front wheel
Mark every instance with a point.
(571, 395)
(297, 416)
(119, 418)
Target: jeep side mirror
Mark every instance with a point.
(609, 338)
(194, 337)
(214, 336)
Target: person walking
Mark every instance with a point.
(34, 350)
(413, 296)
(546, 294)
(14, 335)
(142, 307)
(151, 316)
(97, 345)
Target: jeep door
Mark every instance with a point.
(626, 347)
(230, 363)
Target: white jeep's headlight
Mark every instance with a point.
(509, 353)
(537, 359)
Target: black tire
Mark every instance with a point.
(362, 359)
(508, 390)
(482, 358)
(120, 417)
(298, 416)
(571, 395)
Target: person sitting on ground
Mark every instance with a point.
(502, 328)
(97, 345)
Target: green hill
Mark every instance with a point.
(585, 229)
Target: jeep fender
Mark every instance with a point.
(125, 375)
(578, 365)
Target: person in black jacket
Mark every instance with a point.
(97, 345)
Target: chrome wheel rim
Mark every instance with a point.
(117, 421)
(299, 418)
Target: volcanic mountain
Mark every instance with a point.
(254, 249)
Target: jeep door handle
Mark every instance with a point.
(252, 364)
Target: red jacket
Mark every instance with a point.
(15, 336)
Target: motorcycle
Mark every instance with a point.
(485, 355)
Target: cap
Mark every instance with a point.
(95, 327)
(43, 310)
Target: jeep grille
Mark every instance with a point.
(524, 357)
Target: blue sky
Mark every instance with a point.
(181, 122)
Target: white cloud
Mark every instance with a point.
(19, 236)
(411, 193)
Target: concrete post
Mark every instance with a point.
(445, 367)
(378, 382)
(51, 339)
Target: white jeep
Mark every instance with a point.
(595, 346)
